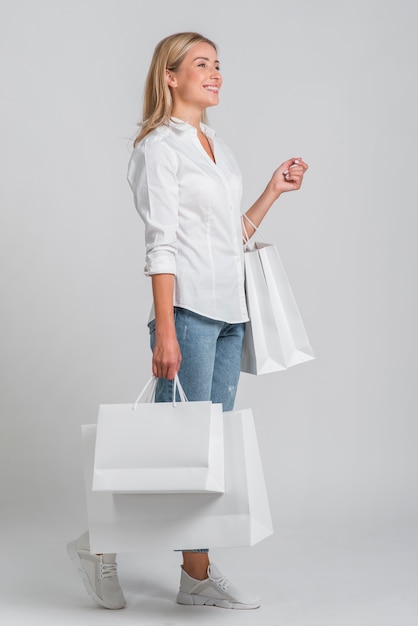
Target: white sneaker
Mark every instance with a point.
(216, 590)
(98, 572)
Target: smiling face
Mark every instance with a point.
(196, 84)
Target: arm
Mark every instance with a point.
(166, 357)
(287, 177)
(153, 179)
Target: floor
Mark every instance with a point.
(332, 578)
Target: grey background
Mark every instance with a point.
(331, 81)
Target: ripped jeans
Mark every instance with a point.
(211, 358)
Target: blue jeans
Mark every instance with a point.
(211, 359)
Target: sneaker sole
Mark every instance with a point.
(74, 556)
(198, 600)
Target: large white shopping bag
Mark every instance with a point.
(275, 337)
(238, 517)
(159, 447)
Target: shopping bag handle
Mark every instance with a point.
(248, 246)
(152, 384)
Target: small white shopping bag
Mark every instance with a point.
(238, 517)
(275, 337)
(159, 447)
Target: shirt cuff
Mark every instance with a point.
(160, 262)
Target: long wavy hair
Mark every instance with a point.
(158, 103)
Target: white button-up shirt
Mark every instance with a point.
(191, 210)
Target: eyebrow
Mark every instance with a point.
(204, 59)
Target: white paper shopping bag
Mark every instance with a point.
(275, 337)
(159, 447)
(238, 517)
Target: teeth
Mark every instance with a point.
(210, 88)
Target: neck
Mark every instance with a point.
(192, 117)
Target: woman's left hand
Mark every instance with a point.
(289, 176)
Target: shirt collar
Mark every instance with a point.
(185, 126)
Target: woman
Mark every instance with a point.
(187, 189)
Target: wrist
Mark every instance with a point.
(165, 328)
(272, 191)
(165, 325)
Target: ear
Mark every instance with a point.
(170, 79)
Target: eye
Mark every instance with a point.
(202, 65)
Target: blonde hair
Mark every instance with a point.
(158, 103)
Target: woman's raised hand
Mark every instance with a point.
(289, 176)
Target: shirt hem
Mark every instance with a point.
(199, 312)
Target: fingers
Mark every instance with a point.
(294, 170)
(295, 161)
(166, 365)
(288, 176)
(294, 175)
(168, 371)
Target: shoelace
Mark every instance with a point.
(106, 570)
(223, 582)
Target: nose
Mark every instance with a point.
(215, 73)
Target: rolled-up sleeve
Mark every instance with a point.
(152, 176)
